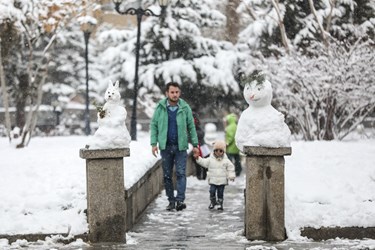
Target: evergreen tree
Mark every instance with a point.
(340, 20)
(173, 49)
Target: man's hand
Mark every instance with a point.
(155, 150)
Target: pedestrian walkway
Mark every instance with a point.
(196, 227)
(199, 228)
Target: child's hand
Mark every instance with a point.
(231, 179)
(196, 155)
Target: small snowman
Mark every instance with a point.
(112, 131)
(260, 124)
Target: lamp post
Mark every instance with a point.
(56, 109)
(139, 12)
(87, 29)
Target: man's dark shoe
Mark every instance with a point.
(180, 205)
(171, 206)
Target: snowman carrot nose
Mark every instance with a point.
(252, 97)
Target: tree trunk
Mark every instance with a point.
(233, 22)
(21, 99)
(280, 22)
(38, 102)
(320, 26)
(5, 97)
(330, 113)
(332, 4)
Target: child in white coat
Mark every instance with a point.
(220, 170)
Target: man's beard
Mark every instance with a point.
(171, 100)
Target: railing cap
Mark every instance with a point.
(266, 151)
(104, 153)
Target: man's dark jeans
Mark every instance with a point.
(172, 156)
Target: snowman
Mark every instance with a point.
(112, 131)
(260, 124)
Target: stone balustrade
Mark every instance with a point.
(264, 195)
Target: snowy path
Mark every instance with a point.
(196, 226)
(199, 228)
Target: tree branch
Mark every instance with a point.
(280, 22)
(322, 31)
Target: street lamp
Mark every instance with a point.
(139, 12)
(87, 28)
(56, 109)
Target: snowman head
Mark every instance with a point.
(112, 94)
(257, 90)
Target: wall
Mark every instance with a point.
(142, 193)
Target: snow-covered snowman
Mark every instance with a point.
(112, 131)
(260, 124)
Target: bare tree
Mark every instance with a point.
(250, 11)
(328, 95)
(5, 97)
(323, 32)
(38, 34)
(280, 22)
(36, 78)
(233, 21)
(332, 4)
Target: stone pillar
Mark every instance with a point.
(105, 194)
(264, 198)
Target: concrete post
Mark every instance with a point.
(105, 194)
(264, 209)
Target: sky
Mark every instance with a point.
(43, 186)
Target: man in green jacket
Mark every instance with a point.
(233, 152)
(170, 125)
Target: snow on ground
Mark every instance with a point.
(43, 186)
(330, 184)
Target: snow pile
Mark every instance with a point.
(41, 194)
(329, 184)
(326, 184)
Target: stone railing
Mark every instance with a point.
(264, 196)
(135, 199)
(105, 193)
(112, 210)
(142, 193)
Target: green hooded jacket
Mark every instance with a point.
(185, 125)
(230, 132)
